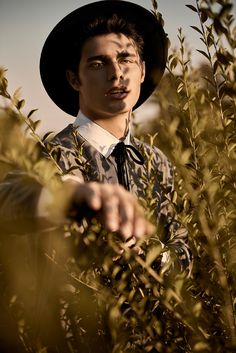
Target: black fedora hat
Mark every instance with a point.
(56, 52)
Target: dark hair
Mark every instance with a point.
(100, 26)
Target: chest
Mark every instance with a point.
(87, 163)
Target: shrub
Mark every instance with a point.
(70, 289)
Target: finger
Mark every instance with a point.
(142, 228)
(90, 194)
(150, 228)
(110, 208)
(126, 211)
(139, 223)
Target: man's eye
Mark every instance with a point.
(96, 65)
(127, 61)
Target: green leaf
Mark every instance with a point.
(47, 136)
(225, 58)
(20, 104)
(197, 29)
(216, 65)
(57, 155)
(201, 346)
(228, 122)
(153, 254)
(174, 197)
(219, 28)
(209, 81)
(154, 4)
(36, 124)
(204, 54)
(74, 167)
(222, 91)
(31, 112)
(16, 94)
(232, 147)
(210, 40)
(186, 106)
(180, 87)
(197, 308)
(191, 7)
(4, 83)
(203, 16)
(173, 63)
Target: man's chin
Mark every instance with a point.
(120, 107)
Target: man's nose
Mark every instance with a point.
(115, 71)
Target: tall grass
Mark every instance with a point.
(70, 289)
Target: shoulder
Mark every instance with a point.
(65, 137)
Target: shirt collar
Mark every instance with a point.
(99, 138)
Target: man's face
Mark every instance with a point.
(110, 74)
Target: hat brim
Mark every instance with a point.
(54, 54)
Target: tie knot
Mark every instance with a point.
(122, 151)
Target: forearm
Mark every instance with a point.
(19, 195)
(27, 205)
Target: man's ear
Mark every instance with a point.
(143, 71)
(73, 79)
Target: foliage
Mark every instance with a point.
(196, 129)
(78, 288)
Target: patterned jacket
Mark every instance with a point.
(151, 182)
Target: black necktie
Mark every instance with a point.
(121, 153)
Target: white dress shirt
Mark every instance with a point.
(102, 140)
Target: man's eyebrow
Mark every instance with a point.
(97, 57)
(123, 54)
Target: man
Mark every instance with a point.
(100, 63)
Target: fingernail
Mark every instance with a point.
(126, 231)
(139, 232)
(113, 226)
(95, 203)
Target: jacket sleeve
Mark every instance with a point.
(19, 195)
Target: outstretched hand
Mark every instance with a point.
(119, 211)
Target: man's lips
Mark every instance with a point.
(117, 92)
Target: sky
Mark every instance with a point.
(24, 27)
